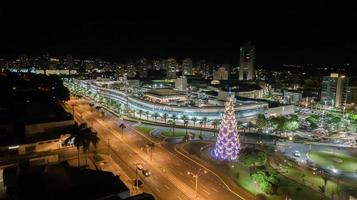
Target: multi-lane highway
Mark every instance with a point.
(169, 178)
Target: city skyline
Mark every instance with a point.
(319, 32)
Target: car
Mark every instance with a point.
(140, 167)
(146, 172)
(296, 153)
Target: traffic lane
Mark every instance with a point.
(101, 130)
(133, 138)
(205, 188)
(126, 155)
(181, 167)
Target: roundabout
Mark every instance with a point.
(337, 162)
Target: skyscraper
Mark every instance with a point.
(187, 66)
(334, 90)
(247, 59)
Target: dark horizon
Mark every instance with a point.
(283, 33)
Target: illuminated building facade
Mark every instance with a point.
(247, 60)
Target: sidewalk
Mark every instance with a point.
(109, 165)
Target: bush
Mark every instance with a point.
(261, 196)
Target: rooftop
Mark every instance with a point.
(164, 92)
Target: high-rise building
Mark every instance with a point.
(187, 66)
(181, 84)
(334, 90)
(171, 68)
(247, 60)
(220, 74)
(352, 94)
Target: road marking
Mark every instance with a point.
(158, 189)
(206, 191)
(179, 198)
(167, 187)
(214, 189)
(233, 192)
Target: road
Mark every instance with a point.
(169, 178)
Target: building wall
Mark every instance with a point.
(352, 95)
(220, 74)
(33, 129)
(247, 61)
(181, 84)
(334, 90)
(46, 145)
(281, 110)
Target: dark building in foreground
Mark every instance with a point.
(61, 181)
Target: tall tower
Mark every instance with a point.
(227, 145)
(247, 60)
(334, 90)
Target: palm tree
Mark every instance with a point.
(90, 138)
(174, 117)
(140, 112)
(194, 120)
(215, 123)
(155, 115)
(204, 120)
(185, 122)
(201, 123)
(250, 125)
(147, 115)
(79, 137)
(164, 116)
(172, 123)
(184, 117)
(122, 126)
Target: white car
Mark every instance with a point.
(296, 153)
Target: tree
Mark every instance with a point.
(201, 123)
(184, 117)
(140, 112)
(164, 116)
(250, 125)
(90, 138)
(194, 120)
(261, 123)
(266, 180)
(204, 120)
(252, 157)
(215, 123)
(174, 117)
(172, 123)
(147, 113)
(81, 136)
(291, 125)
(155, 115)
(122, 126)
(185, 122)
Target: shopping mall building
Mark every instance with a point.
(244, 109)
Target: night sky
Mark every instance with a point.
(319, 32)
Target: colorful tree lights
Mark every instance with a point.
(227, 145)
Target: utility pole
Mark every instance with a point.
(196, 176)
(109, 148)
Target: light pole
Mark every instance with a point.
(196, 176)
(109, 148)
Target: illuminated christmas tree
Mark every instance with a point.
(227, 145)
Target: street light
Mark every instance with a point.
(196, 176)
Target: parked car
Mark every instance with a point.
(296, 153)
